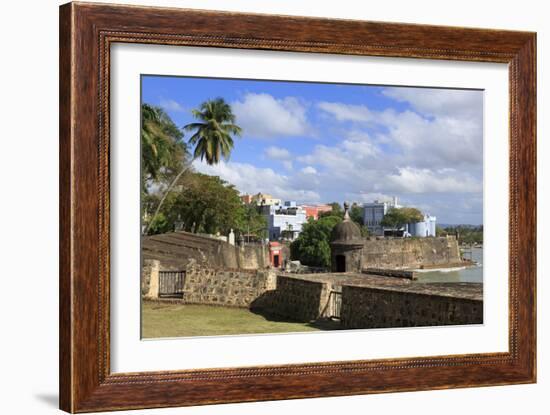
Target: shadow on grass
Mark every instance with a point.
(321, 324)
(261, 307)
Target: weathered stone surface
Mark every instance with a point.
(150, 279)
(299, 299)
(174, 250)
(410, 252)
(370, 301)
(238, 288)
(366, 307)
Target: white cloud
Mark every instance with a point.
(442, 128)
(287, 164)
(263, 116)
(412, 180)
(369, 197)
(347, 112)
(171, 105)
(360, 143)
(440, 102)
(309, 170)
(277, 153)
(251, 179)
(430, 155)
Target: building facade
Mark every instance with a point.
(313, 211)
(424, 228)
(374, 212)
(284, 221)
(265, 199)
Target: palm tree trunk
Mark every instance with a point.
(168, 189)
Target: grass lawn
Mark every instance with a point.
(179, 320)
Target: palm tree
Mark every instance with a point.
(212, 138)
(161, 143)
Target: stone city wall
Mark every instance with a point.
(364, 307)
(299, 299)
(410, 252)
(174, 251)
(228, 287)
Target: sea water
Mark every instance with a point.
(459, 274)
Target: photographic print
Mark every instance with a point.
(283, 206)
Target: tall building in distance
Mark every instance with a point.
(284, 221)
(374, 212)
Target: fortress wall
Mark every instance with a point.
(364, 308)
(229, 287)
(299, 299)
(175, 250)
(410, 252)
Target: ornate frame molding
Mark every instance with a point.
(86, 33)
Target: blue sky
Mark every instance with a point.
(318, 143)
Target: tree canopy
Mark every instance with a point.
(213, 132)
(204, 204)
(163, 150)
(397, 217)
(212, 139)
(467, 234)
(312, 247)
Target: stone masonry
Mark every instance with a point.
(237, 288)
(410, 252)
(364, 307)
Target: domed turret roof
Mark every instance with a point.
(346, 232)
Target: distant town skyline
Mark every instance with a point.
(318, 143)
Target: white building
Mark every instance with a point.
(284, 221)
(422, 229)
(374, 212)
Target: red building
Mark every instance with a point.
(275, 254)
(246, 199)
(313, 211)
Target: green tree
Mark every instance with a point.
(395, 218)
(162, 148)
(336, 210)
(312, 247)
(356, 214)
(251, 222)
(213, 133)
(203, 204)
(212, 138)
(160, 224)
(467, 234)
(412, 215)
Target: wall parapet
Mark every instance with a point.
(229, 287)
(367, 307)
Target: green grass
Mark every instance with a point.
(181, 320)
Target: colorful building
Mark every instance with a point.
(276, 254)
(313, 211)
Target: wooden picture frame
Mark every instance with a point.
(86, 33)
